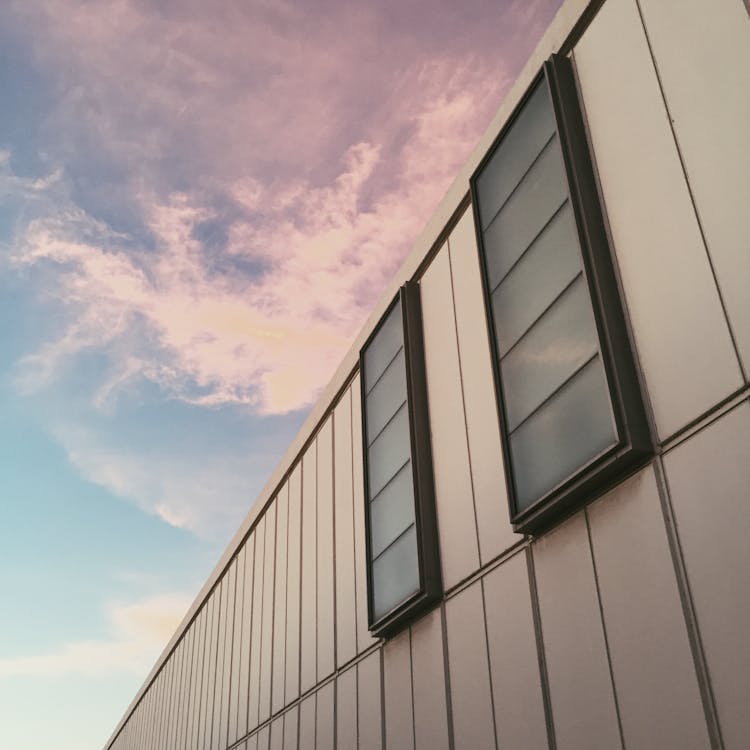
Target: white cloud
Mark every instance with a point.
(137, 633)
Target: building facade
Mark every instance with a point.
(518, 516)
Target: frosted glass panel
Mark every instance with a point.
(390, 450)
(386, 396)
(541, 192)
(568, 431)
(395, 574)
(545, 269)
(384, 346)
(533, 128)
(392, 510)
(561, 341)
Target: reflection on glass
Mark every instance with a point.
(545, 269)
(552, 350)
(392, 510)
(383, 347)
(395, 574)
(568, 431)
(390, 450)
(386, 396)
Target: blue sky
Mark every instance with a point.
(199, 203)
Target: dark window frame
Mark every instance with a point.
(634, 446)
(425, 521)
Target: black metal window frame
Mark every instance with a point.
(634, 446)
(425, 521)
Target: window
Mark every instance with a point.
(570, 406)
(402, 552)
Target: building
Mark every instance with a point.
(534, 534)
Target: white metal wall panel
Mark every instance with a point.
(293, 589)
(369, 705)
(169, 700)
(248, 606)
(707, 96)
(346, 608)
(253, 710)
(264, 738)
(581, 693)
(266, 648)
(291, 729)
(307, 723)
(346, 709)
(325, 576)
(189, 659)
(228, 644)
(709, 476)
(680, 330)
(308, 644)
(324, 721)
(181, 682)
(364, 638)
(216, 741)
(279, 617)
(654, 674)
(208, 713)
(450, 455)
(397, 692)
(251, 743)
(234, 683)
(473, 723)
(483, 429)
(277, 734)
(428, 666)
(198, 677)
(514, 661)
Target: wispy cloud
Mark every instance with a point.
(137, 632)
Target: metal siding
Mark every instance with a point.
(324, 726)
(216, 712)
(187, 685)
(397, 692)
(248, 606)
(181, 692)
(581, 692)
(369, 705)
(514, 661)
(483, 428)
(264, 738)
(308, 614)
(266, 652)
(709, 476)
(198, 679)
(681, 334)
(473, 725)
(346, 709)
(253, 711)
(450, 454)
(707, 97)
(291, 729)
(307, 723)
(277, 734)
(364, 638)
(211, 683)
(293, 590)
(346, 625)
(279, 617)
(228, 643)
(654, 674)
(428, 666)
(234, 684)
(325, 575)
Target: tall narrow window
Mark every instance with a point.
(402, 552)
(570, 406)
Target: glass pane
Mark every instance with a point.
(531, 130)
(389, 452)
(392, 511)
(546, 268)
(539, 195)
(562, 340)
(383, 348)
(395, 574)
(386, 396)
(573, 427)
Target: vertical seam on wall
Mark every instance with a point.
(604, 628)
(688, 608)
(381, 658)
(356, 701)
(301, 465)
(447, 677)
(273, 609)
(333, 556)
(202, 616)
(541, 657)
(250, 654)
(228, 673)
(614, 258)
(463, 403)
(315, 598)
(411, 684)
(354, 525)
(489, 662)
(284, 604)
(743, 373)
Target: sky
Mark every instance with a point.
(199, 205)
